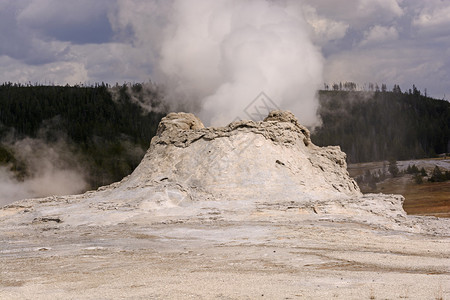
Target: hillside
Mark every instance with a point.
(416, 180)
(376, 126)
(86, 128)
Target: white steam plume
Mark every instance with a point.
(51, 170)
(215, 57)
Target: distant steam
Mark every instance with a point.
(148, 95)
(52, 169)
(215, 57)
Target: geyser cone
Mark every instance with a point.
(269, 160)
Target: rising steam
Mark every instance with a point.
(215, 57)
(52, 169)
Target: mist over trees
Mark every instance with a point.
(377, 124)
(108, 136)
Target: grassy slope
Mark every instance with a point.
(428, 198)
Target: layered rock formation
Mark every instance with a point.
(273, 159)
(246, 168)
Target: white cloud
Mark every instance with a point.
(379, 35)
(377, 7)
(358, 13)
(434, 21)
(140, 49)
(54, 72)
(324, 29)
(388, 41)
(61, 11)
(81, 21)
(113, 62)
(405, 66)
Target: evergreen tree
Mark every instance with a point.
(377, 126)
(393, 168)
(107, 133)
(423, 172)
(418, 179)
(438, 176)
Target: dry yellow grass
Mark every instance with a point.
(428, 198)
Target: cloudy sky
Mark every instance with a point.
(401, 42)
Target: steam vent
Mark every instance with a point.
(250, 210)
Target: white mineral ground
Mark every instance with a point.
(253, 210)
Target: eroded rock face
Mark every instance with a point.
(181, 129)
(174, 122)
(272, 159)
(288, 117)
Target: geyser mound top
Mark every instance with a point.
(176, 125)
(271, 159)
